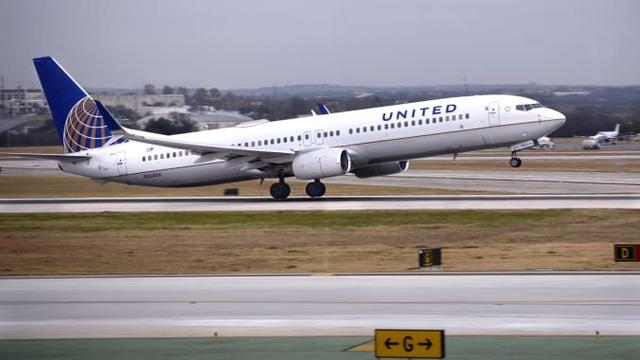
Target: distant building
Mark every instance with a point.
(22, 101)
(143, 104)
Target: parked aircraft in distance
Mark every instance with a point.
(544, 143)
(367, 143)
(594, 142)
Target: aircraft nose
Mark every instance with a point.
(557, 115)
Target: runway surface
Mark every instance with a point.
(525, 182)
(473, 304)
(409, 202)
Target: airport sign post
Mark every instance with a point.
(430, 257)
(626, 252)
(427, 344)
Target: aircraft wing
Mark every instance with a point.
(56, 157)
(172, 141)
(203, 148)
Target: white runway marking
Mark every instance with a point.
(410, 202)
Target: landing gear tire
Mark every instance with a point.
(515, 162)
(316, 189)
(280, 190)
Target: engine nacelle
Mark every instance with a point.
(321, 163)
(382, 169)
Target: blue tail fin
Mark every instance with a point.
(324, 110)
(79, 122)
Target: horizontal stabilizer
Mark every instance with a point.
(55, 157)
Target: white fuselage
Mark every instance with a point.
(377, 135)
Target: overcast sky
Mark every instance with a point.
(239, 43)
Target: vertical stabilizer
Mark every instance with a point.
(78, 120)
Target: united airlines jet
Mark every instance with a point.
(370, 142)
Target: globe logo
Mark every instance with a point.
(84, 128)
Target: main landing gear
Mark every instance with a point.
(515, 161)
(316, 189)
(281, 190)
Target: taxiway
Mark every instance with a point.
(473, 304)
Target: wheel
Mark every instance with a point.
(515, 162)
(316, 189)
(280, 190)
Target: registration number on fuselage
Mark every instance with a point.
(152, 175)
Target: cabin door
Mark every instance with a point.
(318, 137)
(494, 113)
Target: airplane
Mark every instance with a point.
(367, 143)
(594, 142)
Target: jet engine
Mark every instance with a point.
(321, 163)
(382, 169)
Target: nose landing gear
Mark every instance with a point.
(515, 161)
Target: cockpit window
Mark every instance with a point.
(527, 107)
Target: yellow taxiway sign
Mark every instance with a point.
(409, 344)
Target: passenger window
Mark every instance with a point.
(406, 123)
(284, 139)
(174, 154)
(447, 118)
(306, 136)
(413, 123)
(291, 138)
(337, 132)
(299, 137)
(419, 122)
(358, 130)
(399, 125)
(350, 131)
(364, 129)
(180, 152)
(440, 118)
(325, 134)
(278, 140)
(161, 156)
(155, 157)
(393, 125)
(271, 141)
(259, 142)
(386, 126)
(372, 128)
(467, 115)
(144, 158)
(379, 127)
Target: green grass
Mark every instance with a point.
(75, 223)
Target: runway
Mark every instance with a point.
(462, 304)
(525, 182)
(408, 202)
